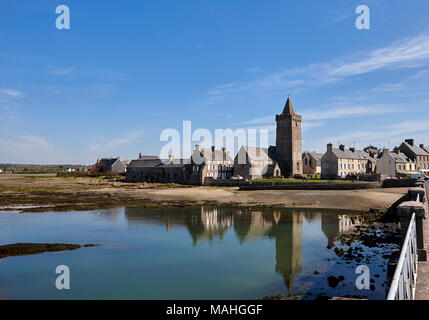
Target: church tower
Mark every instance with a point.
(289, 141)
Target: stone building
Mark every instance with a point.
(153, 169)
(289, 141)
(393, 164)
(256, 163)
(419, 154)
(110, 165)
(210, 164)
(312, 162)
(284, 159)
(342, 162)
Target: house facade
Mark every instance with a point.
(256, 163)
(393, 164)
(342, 162)
(419, 154)
(210, 164)
(312, 162)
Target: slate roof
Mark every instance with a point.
(106, 162)
(348, 154)
(288, 109)
(399, 157)
(257, 153)
(217, 155)
(149, 161)
(426, 148)
(148, 157)
(415, 149)
(316, 156)
(154, 161)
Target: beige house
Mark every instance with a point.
(419, 154)
(312, 162)
(256, 163)
(342, 162)
(210, 164)
(393, 164)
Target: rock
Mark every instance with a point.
(333, 282)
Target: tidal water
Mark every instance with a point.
(194, 253)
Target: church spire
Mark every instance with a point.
(288, 110)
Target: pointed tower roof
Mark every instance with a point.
(288, 110)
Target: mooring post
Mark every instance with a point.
(405, 211)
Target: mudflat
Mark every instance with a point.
(47, 193)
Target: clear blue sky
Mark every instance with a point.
(126, 70)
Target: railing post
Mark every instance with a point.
(404, 211)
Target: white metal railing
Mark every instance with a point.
(403, 286)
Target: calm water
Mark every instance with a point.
(205, 253)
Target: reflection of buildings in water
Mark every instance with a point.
(311, 216)
(334, 225)
(252, 226)
(204, 223)
(215, 219)
(210, 224)
(111, 213)
(286, 229)
(288, 237)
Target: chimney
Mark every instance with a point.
(329, 147)
(170, 158)
(352, 149)
(140, 155)
(410, 142)
(342, 147)
(197, 147)
(422, 146)
(385, 151)
(213, 148)
(224, 153)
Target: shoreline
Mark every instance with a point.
(50, 194)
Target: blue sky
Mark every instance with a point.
(127, 70)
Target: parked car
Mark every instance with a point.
(299, 176)
(419, 175)
(237, 178)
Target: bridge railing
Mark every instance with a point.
(403, 286)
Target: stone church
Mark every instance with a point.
(284, 159)
(289, 141)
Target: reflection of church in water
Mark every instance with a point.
(334, 225)
(286, 228)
